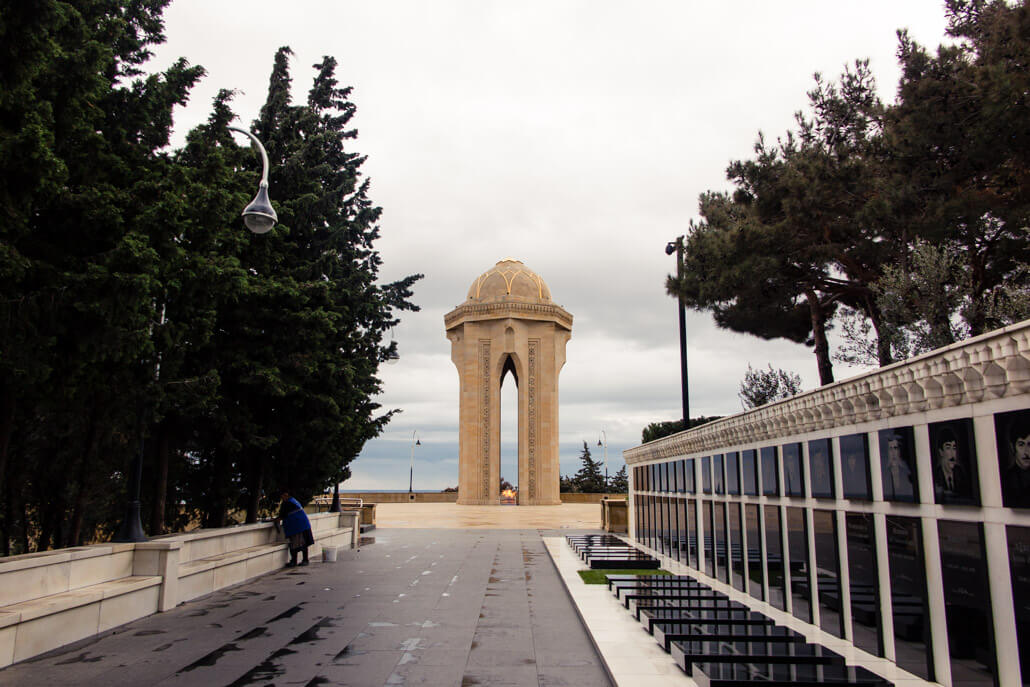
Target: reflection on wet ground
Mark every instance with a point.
(427, 606)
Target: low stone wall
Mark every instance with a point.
(452, 497)
(52, 598)
(589, 498)
(404, 497)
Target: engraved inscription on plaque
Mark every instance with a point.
(967, 602)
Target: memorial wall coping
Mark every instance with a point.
(991, 366)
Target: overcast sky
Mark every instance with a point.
(574, 136)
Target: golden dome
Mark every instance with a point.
(509, 280)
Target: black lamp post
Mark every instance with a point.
(677, 248)
(411, 470)
(605, 444)
(260, 217)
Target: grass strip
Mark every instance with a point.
(597, 576)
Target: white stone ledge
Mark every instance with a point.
(51, 598)
(991, 366)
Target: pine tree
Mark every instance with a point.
(620, 482)
(590, 478)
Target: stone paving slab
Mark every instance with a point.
(416, 607)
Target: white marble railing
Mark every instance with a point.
(993, 365)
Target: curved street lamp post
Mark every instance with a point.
(260, 217)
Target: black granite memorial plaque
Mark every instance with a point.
(665, 525)
(827, 563)
(800, 580)
(691, 486)
(721, 563)
(774, 571)
(908, 596)
(709, 537)
(718, 475)
(785, 674)
(1012, 432)
(854, 467)
(967, 603)
(692, 533)
(736, 546)
(864, 583)
(793, 472)
(953, 455)
(898, 464)
(732, 461)
(706, 475)
(748, 472)
(770, 471)
(755, 569)
(1019, 565)
(820, 468)
(675, 513)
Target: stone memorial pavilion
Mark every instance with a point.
(508, 324)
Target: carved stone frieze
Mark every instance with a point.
(990, 366)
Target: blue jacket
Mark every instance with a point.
(295, 520)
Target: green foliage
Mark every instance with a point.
(760, 387)
(839, 215)
(135, 304)
(657, 430)
(619, 483)
(599, 575)
(588, 480)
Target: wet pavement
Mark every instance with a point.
(410, 607)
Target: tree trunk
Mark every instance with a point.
(6, 429)
(822, 346)
(254, 495)
(884, 354)
(160, 498)
(24, 526)
(83, 481)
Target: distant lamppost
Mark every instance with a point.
(260, 217)
(677, 248)
(411, 471)
(605, 444)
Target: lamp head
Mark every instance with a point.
(418, 442)
(670, 248)
(260, 216)
(599, 443)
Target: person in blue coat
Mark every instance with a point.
(296, 527)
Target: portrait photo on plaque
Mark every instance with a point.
(898, 464)
(820, 463)
(953, 456)
(793, 475)
(854, 467)
(1012, 431)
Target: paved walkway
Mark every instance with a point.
(416, 607)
